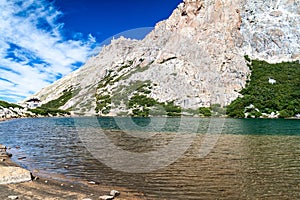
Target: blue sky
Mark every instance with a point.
(42, 40)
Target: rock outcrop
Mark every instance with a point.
(9, 173)
(193, 59)
(8, 113)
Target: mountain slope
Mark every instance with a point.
(193, 59)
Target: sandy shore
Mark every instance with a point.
(41, 188)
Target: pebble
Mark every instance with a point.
(114, 193)
(106, 197)
(21, 158)
(13, 197)
(93, 183)
(9, 154)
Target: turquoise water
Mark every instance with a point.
(250, 159)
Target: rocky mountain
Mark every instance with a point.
(193, 59)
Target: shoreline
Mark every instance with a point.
(57, 187)
(82, 116)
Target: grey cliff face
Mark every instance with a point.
(194, 58)
(271, 30)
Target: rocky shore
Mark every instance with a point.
(19, 183)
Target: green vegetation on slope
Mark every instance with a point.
(103, 104)
(48, 111)
(260, 96)
(135, 97)
(62, 100)
(140, 105)
(5, 104)
(52, 107)
(143, 106)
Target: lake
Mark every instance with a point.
(165, 158)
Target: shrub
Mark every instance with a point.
(206, 112)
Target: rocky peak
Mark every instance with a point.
(194, 58)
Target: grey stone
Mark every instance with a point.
(5, 154)
(114, 193)
(106, 197)
(12, 197)
(10, 175)
(276, 13)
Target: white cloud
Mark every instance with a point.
(92, 39)
(31, 54)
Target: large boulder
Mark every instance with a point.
(11, 174)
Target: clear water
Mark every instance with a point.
(251, 159)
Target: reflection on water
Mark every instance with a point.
(253, 159)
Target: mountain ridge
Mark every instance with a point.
(193, 59)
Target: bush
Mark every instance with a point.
(206, 112)
(142, 105)
(171, 109)
(285, 113)
(217, 109)
(255, 114)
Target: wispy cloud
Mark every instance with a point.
(33, 49)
